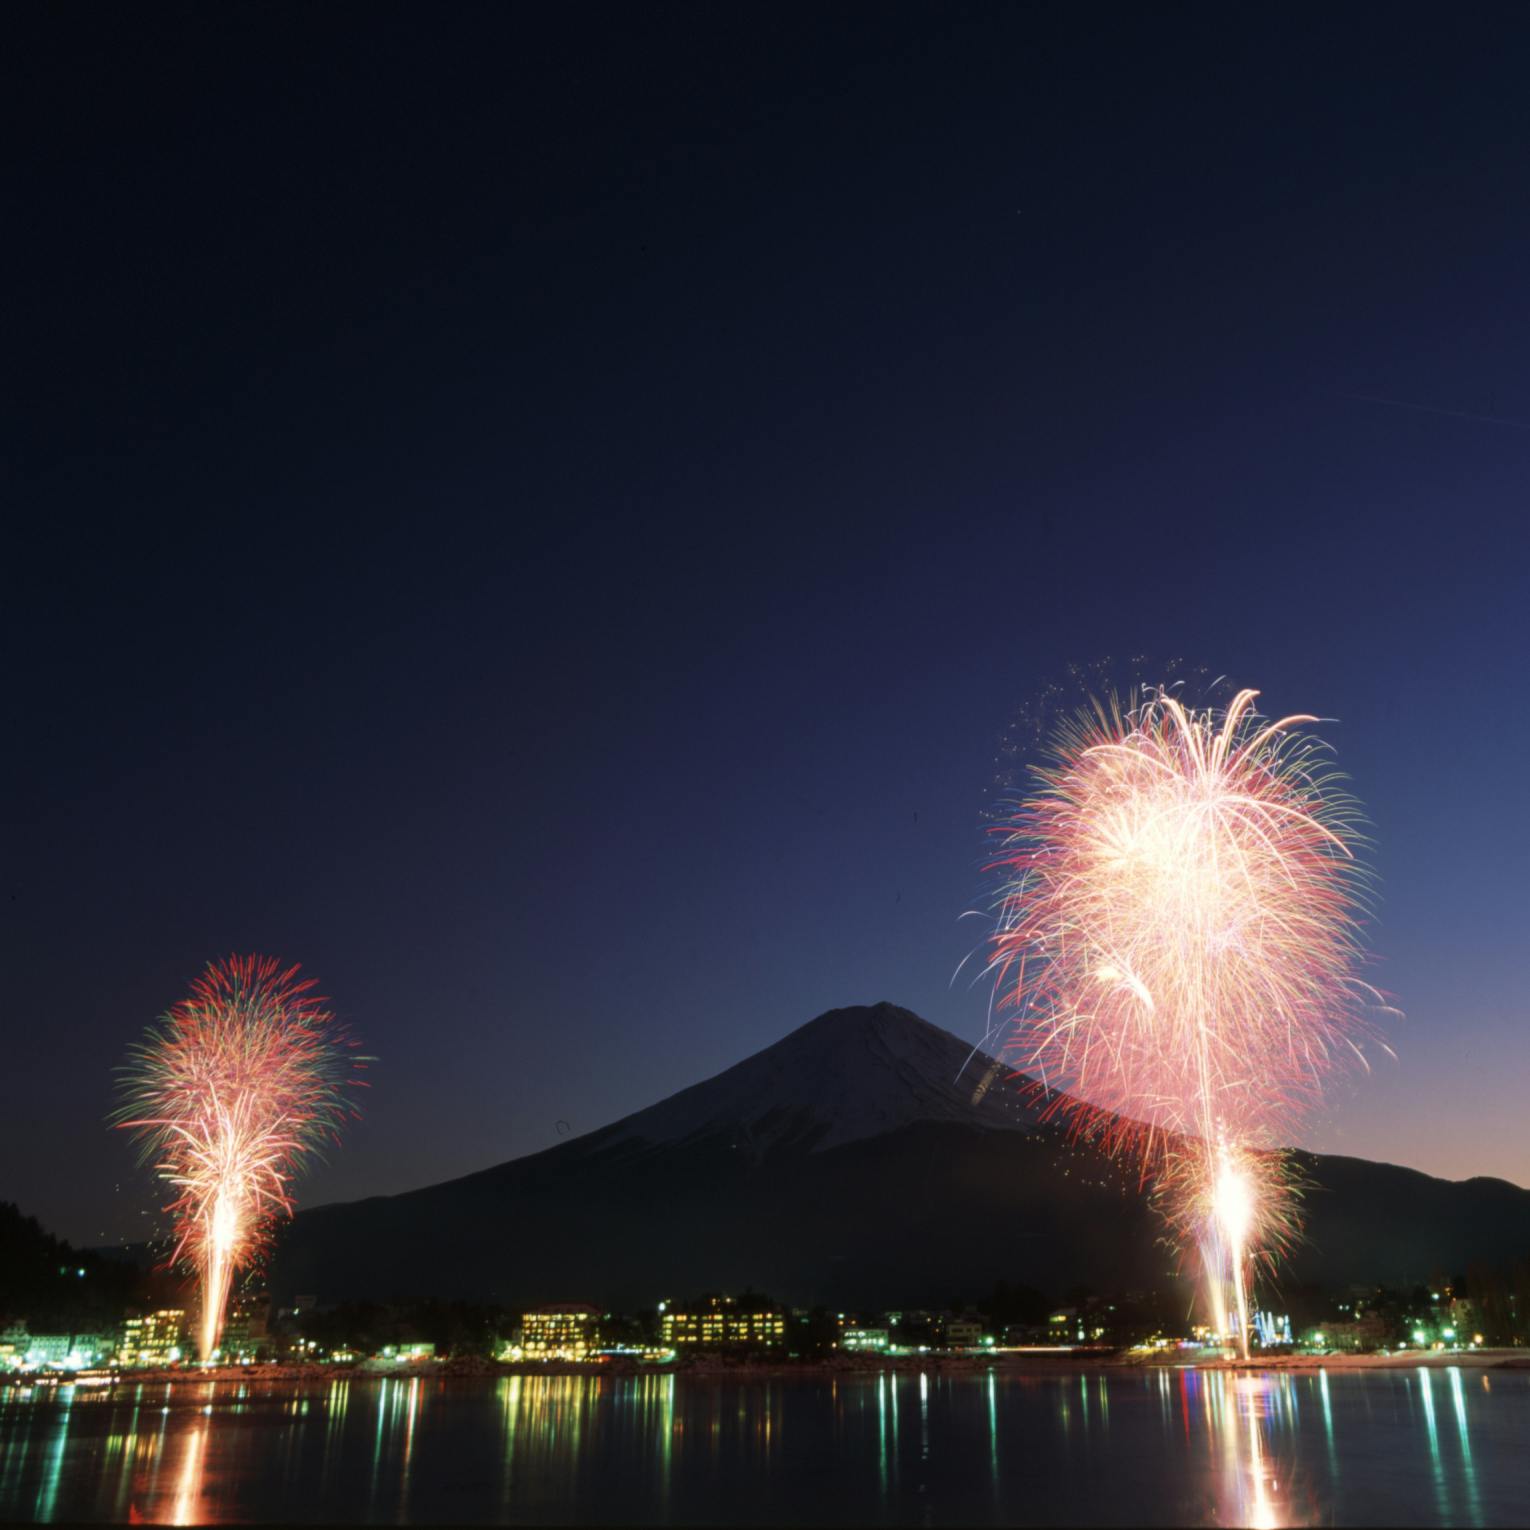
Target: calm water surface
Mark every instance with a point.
(1447, 1447)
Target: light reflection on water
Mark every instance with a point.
(1086, 1447)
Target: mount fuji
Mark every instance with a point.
(867, 1158)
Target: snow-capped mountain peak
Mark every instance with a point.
(847, 1075)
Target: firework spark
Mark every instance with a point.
(1177, 940)
(229, 1093)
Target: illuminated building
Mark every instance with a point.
(158, 1338)
(864, 1338)
(247, 1329)
(1463, 1316)
(46, 1349)
(65, 1351)
(1066, 1324)
(963, 1333)
(407, 1352)
(13, 1346)
(559, 1331)
(1360, 1333)
(722, 1322)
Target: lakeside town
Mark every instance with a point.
(90, 1314)
(744, 1330)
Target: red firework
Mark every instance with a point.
(230, 1092)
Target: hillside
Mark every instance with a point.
(858, 1160)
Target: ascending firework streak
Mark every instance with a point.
(1177, 939)
(229, 1092)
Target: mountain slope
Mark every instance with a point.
(848, 1075)
(868, 1157)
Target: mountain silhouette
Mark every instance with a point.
(867, 1158)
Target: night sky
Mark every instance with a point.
(545, 516)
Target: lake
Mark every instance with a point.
(1089, 1447)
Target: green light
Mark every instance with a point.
(1449, 1333)
(1419, 1337)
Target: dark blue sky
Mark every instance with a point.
(545, 517)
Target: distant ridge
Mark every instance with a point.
(858, 1160)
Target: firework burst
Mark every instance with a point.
(1177, 943)
(229, 1093)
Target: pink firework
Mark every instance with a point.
(229, 1093)
(1177, 945)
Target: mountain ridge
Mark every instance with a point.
(818, 1095)
(866, 1156)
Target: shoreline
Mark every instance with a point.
(478, 1370)
(1465, 1359)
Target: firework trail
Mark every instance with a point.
(229, 1093)
(1177, 945)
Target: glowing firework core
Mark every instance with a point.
(1234, 1205)
(229, 1092)
(1177, 942)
